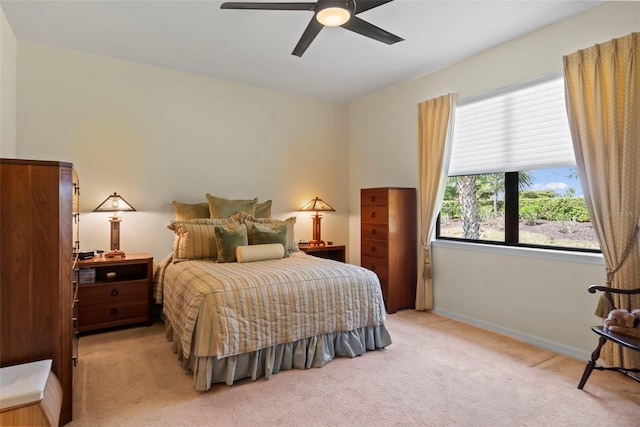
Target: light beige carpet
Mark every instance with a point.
(437, 372)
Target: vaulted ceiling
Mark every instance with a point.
(254, 46)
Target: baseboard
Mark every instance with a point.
(554, 346)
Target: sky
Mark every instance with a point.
(556, 179)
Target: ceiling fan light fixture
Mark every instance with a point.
(333, 14)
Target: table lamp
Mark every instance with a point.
(114, 203)
(317, 205)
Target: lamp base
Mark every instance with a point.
(114, 254)
(316, 243)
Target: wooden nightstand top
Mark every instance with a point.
(335, 252)
(128, 258)
(307, 248)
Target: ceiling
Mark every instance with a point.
(254, 47)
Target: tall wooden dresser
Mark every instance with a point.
(36, 276)
(388, 226)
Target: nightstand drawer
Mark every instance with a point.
(108, 315)
(105, 293)
(374, 214)
(374, 231)
(374, 248)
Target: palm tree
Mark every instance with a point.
(472, 187)
(467, 195)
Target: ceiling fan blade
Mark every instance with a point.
(307, 37)
(268, 6)
(360, 26)
(362, 6)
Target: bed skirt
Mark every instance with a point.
(313, 352)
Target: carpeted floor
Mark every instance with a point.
(437, 372)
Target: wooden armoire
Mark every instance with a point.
(36, 274)
(388, 226)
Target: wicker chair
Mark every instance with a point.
(623, 340)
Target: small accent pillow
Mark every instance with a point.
(253, 253)
(261, 234)
(196, 238)
(291, 245)
(227, 240)
(223, 208)
(263, 210)
(186, 211)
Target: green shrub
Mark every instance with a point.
(557, 209)
(530, 213)
(451, 209)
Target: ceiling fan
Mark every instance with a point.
(330, 13)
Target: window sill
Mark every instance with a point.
(549, 254)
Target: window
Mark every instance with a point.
(512, 175)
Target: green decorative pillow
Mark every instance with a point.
(227, 240)
(261, 235)
(291, 245)
(223, 208)
(263, 210)
(186, 211)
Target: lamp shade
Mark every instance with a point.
(114, 203)
(317, 205)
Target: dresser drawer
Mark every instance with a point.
(112, 292)
(378, 266)
(374, 197)
(372, 231)
(381, 268)
(374, 249)
(374, 215)
(96, 316)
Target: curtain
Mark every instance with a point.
(435, 131)
(602, 87)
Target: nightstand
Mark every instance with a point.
(334, 252)
(115, 291)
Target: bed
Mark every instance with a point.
(247, 317)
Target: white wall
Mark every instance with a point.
(8, 51)
(155, 135)
(542, 300)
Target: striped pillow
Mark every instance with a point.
(196, 238)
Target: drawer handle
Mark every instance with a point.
(114, 292)
(114, 311)
(373, 248)
(373, 198)
(374, 231)
(75, 322)
(373, 268)
(373, 214)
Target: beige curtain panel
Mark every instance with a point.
(602, 85)
(435, 132)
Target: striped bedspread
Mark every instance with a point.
(234, 308)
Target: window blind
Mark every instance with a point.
(519, 129)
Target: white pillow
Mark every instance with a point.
(259, 252)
